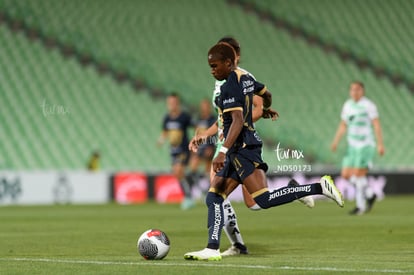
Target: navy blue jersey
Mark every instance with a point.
(177, 131)
(237, 94)
(205, 123)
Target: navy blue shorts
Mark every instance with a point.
(181, 158)
(241, 163)
(206, 151)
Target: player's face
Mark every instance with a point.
(219, 69)
(205, 108)
(356, 91)
(173, 103)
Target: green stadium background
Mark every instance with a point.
(78, 76)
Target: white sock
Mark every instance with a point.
(255, 207)
(230, 223)
(369, 193)
(361, 184)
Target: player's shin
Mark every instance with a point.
(185, 185)
(266, 199)
(214, 203)
(230, 223)
(361, 184)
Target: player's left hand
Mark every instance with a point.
(218, 162)
(270, 113)
(380, 149)
(334, 146)
(195, 142)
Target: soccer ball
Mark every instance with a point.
(153, 244)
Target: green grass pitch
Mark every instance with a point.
(291, 239)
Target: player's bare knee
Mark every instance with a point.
(346, 174)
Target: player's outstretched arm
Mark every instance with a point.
(162, 138)
(201, 138)
(267, 102)
(378, 135)
(338, 135)
(212, 130)
(235, 128)
(257, 112)
(267, 99)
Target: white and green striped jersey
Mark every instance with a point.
(358, 117)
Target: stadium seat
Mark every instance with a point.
(101, 114)
(378, 31)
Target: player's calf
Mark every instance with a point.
(266, 199)
(214, 203)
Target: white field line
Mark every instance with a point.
(195, 263)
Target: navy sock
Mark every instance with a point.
(192, 178)
(215, 219)
(186, 188)
(287, 194)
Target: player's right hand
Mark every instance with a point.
(195, 143)
(270, 113)
(218, 162)
(380, 149)
(160, 142)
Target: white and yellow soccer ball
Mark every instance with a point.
(153, 244)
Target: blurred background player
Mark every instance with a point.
(94, 161)
(174, 128)
(359, 118)
(205, 152)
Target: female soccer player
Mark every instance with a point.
(240, 158)
(174, 129)
(230, 219)
(359, 115)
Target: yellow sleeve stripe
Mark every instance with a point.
(233, 109)
(239, 73)
(262, 91)
(259, 192)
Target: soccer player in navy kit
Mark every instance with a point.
(174, 128)
(231, 227)
(240, 156)
(205, 151)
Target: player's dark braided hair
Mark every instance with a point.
(222, 51)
